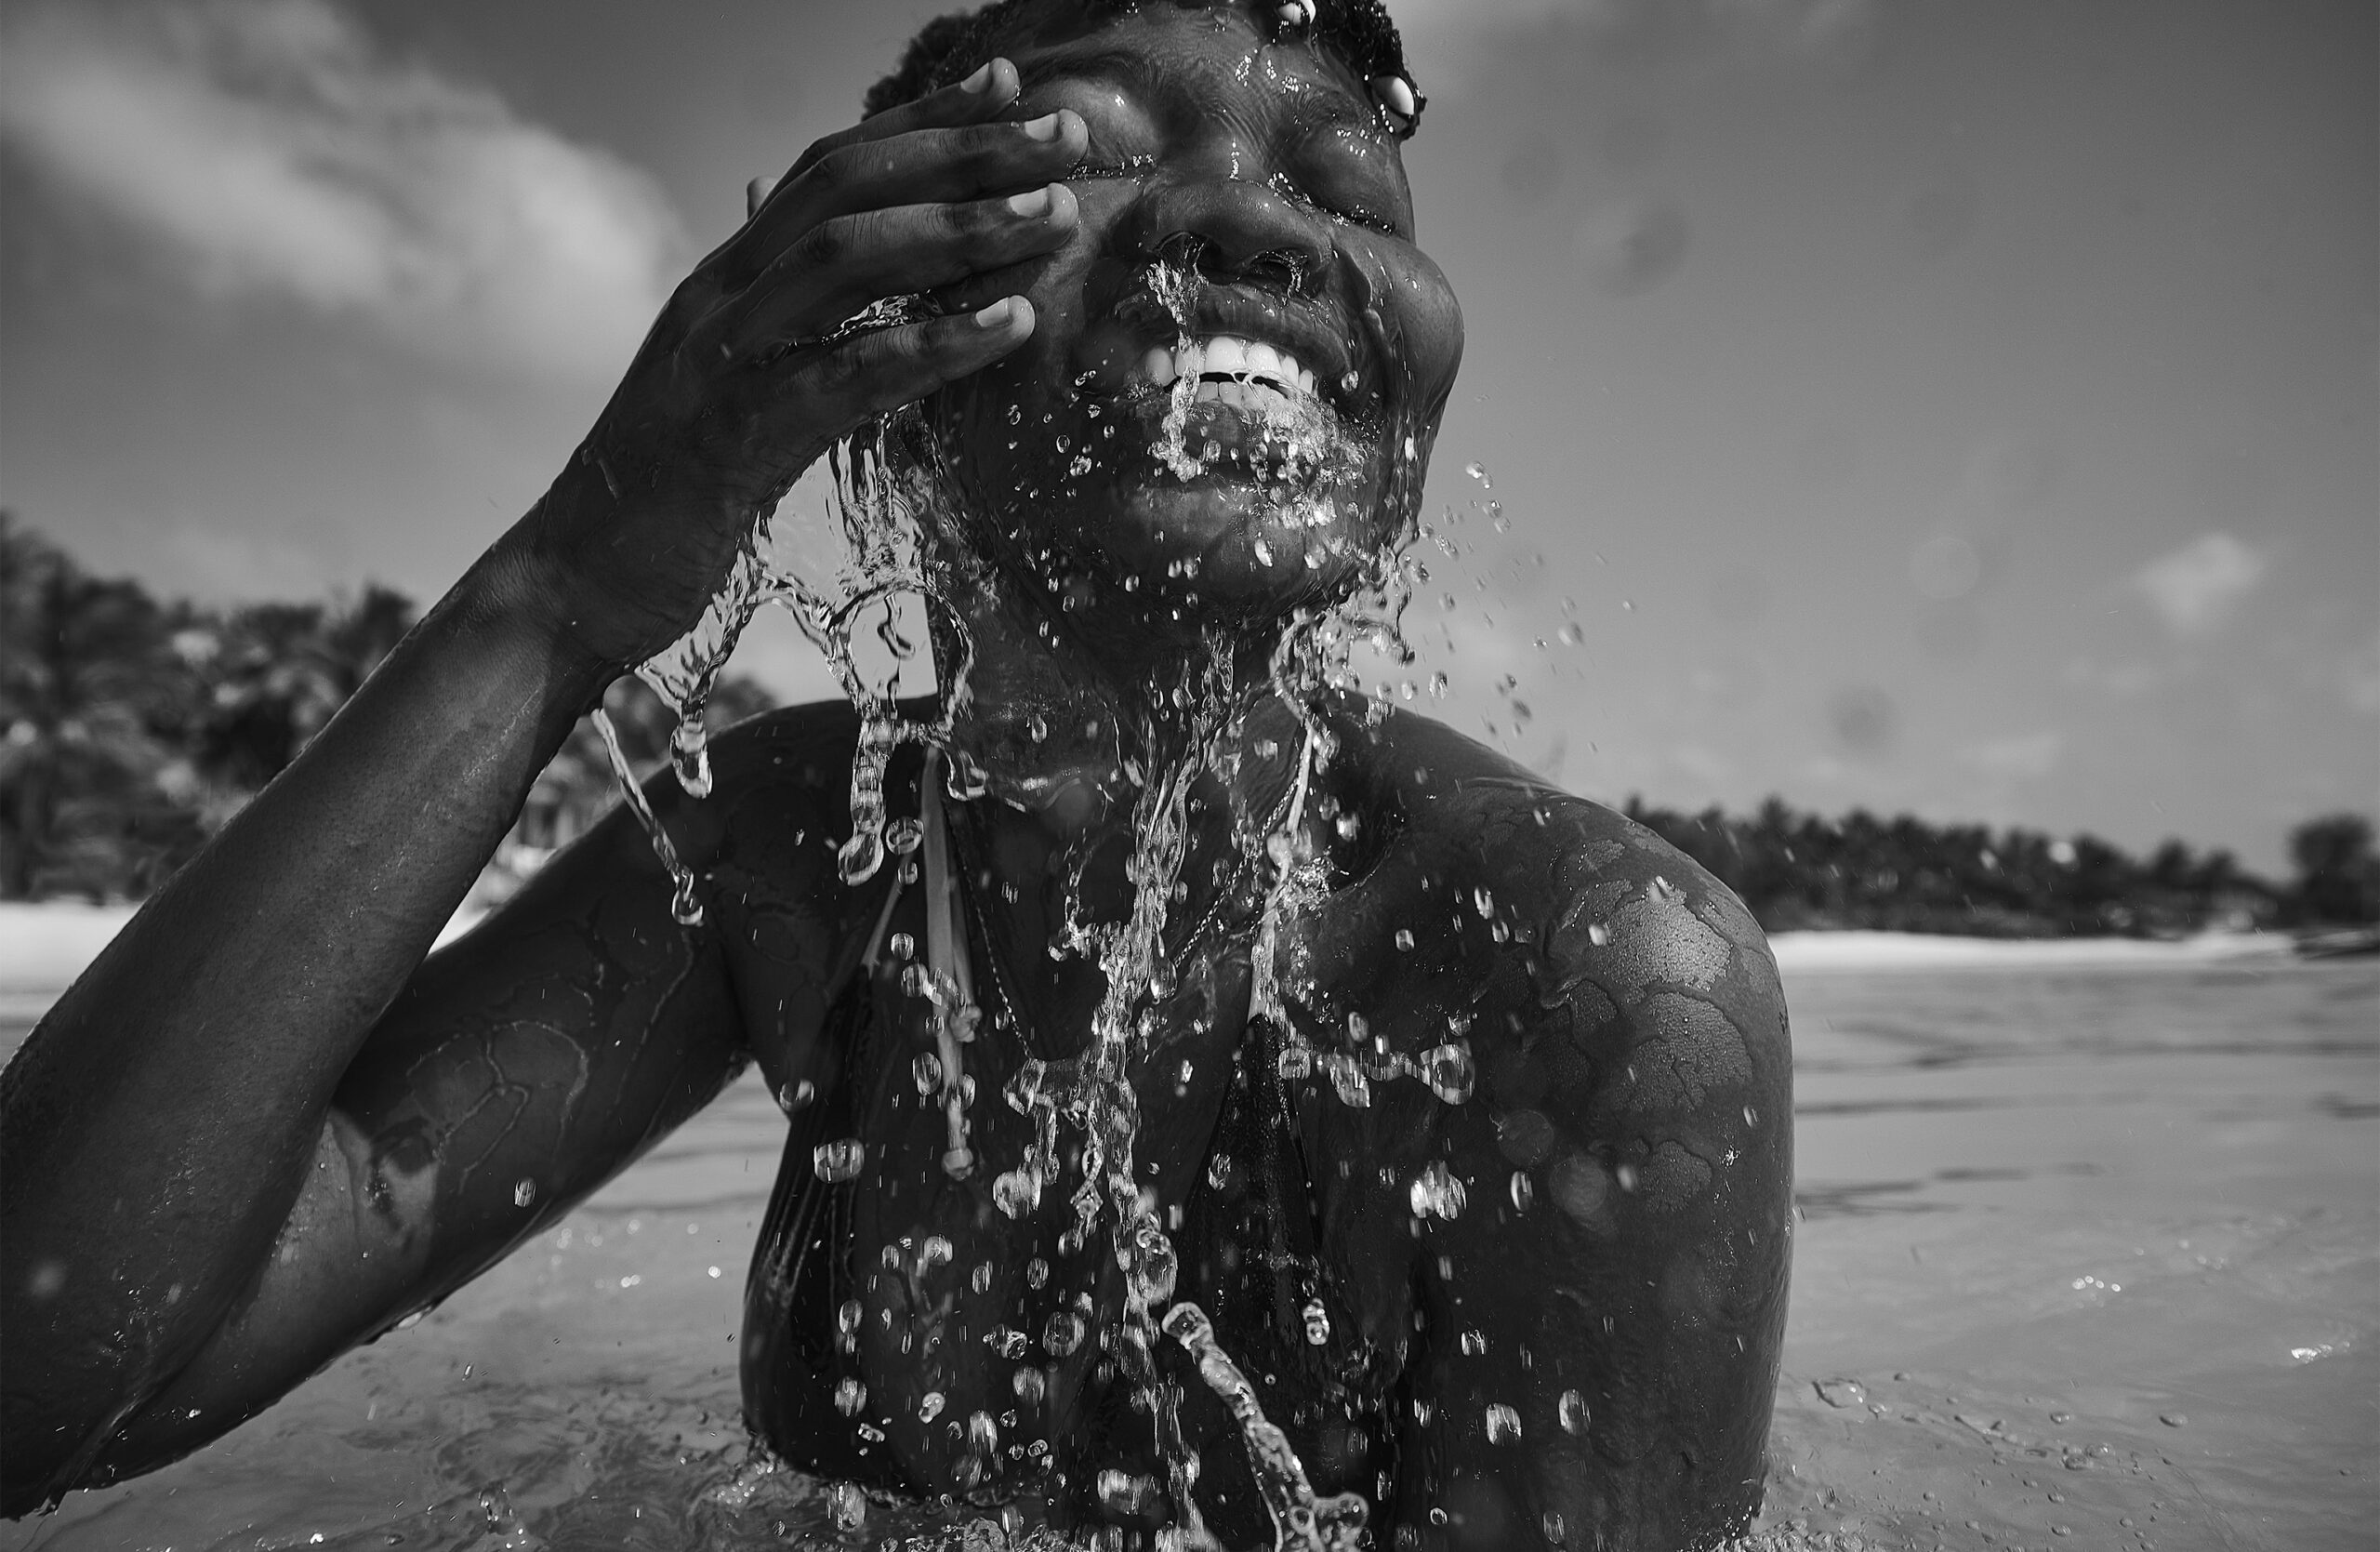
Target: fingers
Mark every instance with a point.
(873, 374)
(924, 167)
(755, 194)
(981, 97)
(841, 265)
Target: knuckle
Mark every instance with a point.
(828, 242)
(834, 171)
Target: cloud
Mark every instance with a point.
(2195, 589)
(271, 150)
(1631, 245)
(2022, 757)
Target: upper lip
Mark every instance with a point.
(1298, 325)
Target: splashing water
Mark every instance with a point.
(1299, 1519)
(880, 502)
(879, 566)
(683, 903)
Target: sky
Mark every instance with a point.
(1971, 410)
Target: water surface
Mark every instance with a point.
(2088, 1258)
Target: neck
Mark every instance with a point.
(1069, 730)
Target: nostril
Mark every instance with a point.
(1286, 270)
(1282, 268)
(1181, 251)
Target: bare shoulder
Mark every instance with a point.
(1599, 916)
(1621, 1005)
(764, 845)
(1617, 1256)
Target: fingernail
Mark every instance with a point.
(980, 80)
(1033, 203)
(1042, 128)
(997, 315)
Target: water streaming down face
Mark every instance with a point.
(898, 519)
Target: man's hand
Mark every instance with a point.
(742, 382)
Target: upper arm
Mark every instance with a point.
(522, 1067)
(1600, 1310)
(1608, 1308)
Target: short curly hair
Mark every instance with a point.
(948, 47)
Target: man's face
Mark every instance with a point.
(1319, 341)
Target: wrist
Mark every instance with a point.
(516, 603)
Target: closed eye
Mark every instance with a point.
(1287, 187)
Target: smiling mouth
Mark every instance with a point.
(1231, 371)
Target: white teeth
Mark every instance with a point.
(1226, 356)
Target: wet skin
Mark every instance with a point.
(1633, 1059)
(344, 1134)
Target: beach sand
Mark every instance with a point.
(44, 945)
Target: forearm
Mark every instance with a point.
(156, 1128)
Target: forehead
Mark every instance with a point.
(1193, 53)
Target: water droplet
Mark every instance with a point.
(927, 1072)
(982, 1434)
(930, 1406)
(850, 1396)
(838, 1161)
(1017, 1192)
(904, 836)
(847, 1507)
(847, 1318)
(1436, 1193)
(1063, 1334)
(1524, 1190)
(1405, 938)
(1317, 1324)
(793, 1097)
(1572, 1410)
(1030, 1385)
(1752, 1116)
(1037, 1273)
(980, 1279)
(1503, 1424)
(1150, 1268)
(901, 945)
(524, 1191)
(1449, 1071)
(1218, 1170)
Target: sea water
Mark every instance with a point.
(2089, 1258)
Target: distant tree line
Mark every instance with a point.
(1800, 871)
(131, 728)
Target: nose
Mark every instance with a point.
(1233, 229)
